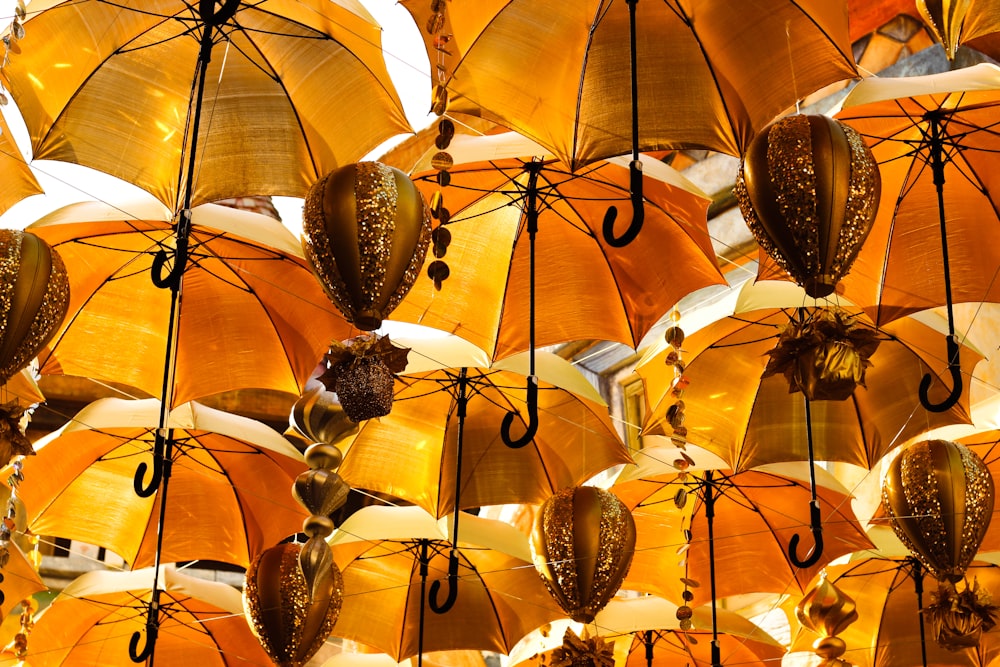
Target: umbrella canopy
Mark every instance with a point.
(909, 123)
(381, 550)
(748, 420)
(584, 288)
(229, 487)
(253, 314)
(92, 621)
(630, 623)
(18, 181)
(708, 76)
(757, 512)
(412, 453)
(93, 75)
(18, 579)
(887, 632)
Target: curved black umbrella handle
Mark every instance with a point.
(172, 279)
(134, 653)
(449, 601)
(508, 419)
(638, 211)
(146, 490)
(955, 369)
(817, 530)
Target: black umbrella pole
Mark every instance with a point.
(710, 517)
(424, 561)
(918, 586)
(461, 404)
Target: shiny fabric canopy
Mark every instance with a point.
(900, 268)
(229, 488)
(756, 514)
(748, 421)
(93, 618)
(500, 596)
(109, 85)
(584, 289)
(887, 632)
(253, 314)
(412, 452)
(18, 180)
(708, 76)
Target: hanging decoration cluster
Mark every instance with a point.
(582, 651)
(939, 497)
(808, 187)
(13, 35)
(362, 373)
(294, 592)
(582, 544)
(824, 354)
(366, 230)
(827, 611)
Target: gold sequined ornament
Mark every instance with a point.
(808, 187)
(938, 495)
(366, 229)
(34, 297)
(582, 544)
(289, 624)
(362, 373)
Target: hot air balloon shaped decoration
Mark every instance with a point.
(809, 187)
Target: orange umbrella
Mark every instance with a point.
(757, 514)
(253, 314)
(583, 287)
(708, 76)
(229, 484)
(98, 618)
(19, 181)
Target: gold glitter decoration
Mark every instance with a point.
(939, 497)
(278, 606)
(33, 277)
(13, 441)
(583, 651)
(561, 550)
(361, 372)
(960, 616)
(789, 224)
(369, 242)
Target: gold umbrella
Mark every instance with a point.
(18, 181)
(889, 630)
(229, 484)
(238, 92)
(502, 207)
(449, 420)
(253, 314)
(388, 555)
(757, 513)
(708, 76)
(97, 619)
(935, 239)
(749, 421)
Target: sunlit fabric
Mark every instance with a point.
(708, 76)
(294, 90)
(83, 484)
(252, 316)
(18, 180)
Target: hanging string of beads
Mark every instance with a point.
(14, 34)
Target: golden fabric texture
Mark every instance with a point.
(704, 79)
(238, 326)
(109, 86)
(82, 484)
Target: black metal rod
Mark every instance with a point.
(461, 409)
(917, 571)
(424, 557)
(710, 517)
(815, 520)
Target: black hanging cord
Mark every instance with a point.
(531, 218)
(461, 404)
(917, 570)
(163, 446)
(815, 523)
(710, 517)
(954, 364)
(635, 166)
(425, 560)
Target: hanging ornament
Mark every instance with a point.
(362, 373)
(318, 416)
(945, 18)
(939, 498)
(808, 187)
(583, 651)
(290, 619)
(366, 230)
(34, 297)
(824, 355)
(582, 544)
(827, 611)
(960, 613)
